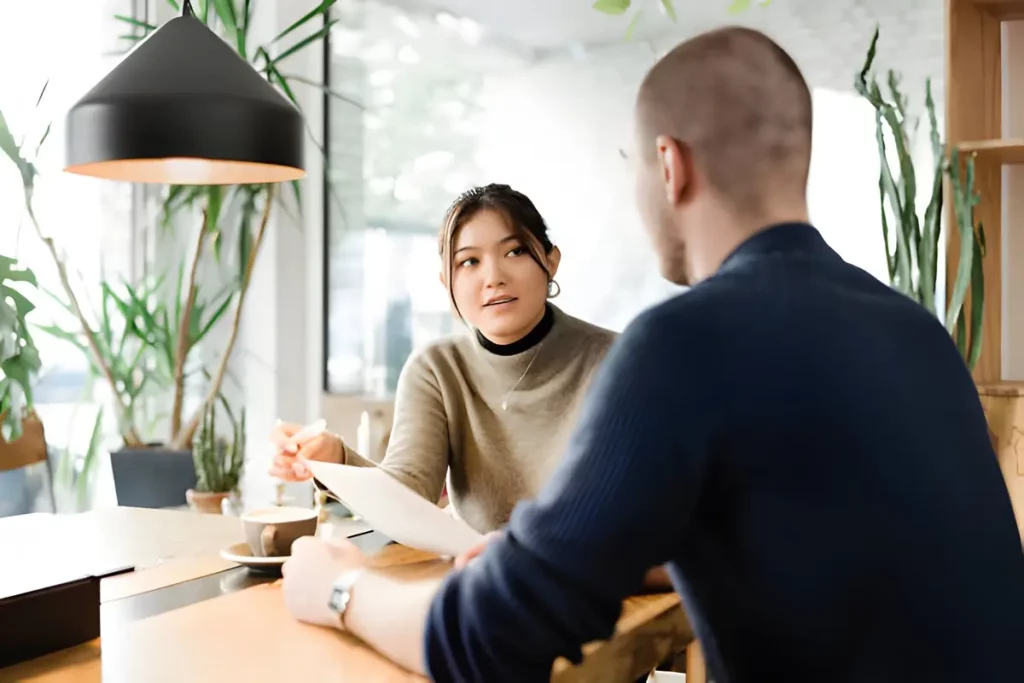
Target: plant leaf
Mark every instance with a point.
(42, 92)
(738, 6)
(325, 89)
(977, 299)
(670, 9)
(612, 6)
(132, 21)
(322, 8)
(963, 203)
(305, 42)
(632, 24)
(7, 144)
(90, 459)
(226, 13)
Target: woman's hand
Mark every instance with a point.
(309, 576)
(287, 464)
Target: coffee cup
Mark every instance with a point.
(271, 531)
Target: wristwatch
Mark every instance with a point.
(341, 593)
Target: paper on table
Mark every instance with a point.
(394, 510)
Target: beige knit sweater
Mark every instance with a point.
(449, 422)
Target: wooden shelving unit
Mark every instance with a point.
(974, 106)
(1002, 10)
(1010, 151)
(974, 125)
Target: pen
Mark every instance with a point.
(307, 432)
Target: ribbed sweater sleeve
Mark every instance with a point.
(614, 508)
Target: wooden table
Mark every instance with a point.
(233, 626)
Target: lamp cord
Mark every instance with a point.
(186, 9)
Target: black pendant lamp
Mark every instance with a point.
(184, 108)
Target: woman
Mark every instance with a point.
(491, 410)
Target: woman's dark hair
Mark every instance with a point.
(522, 216)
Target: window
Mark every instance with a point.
(449, 105)
(395, 166)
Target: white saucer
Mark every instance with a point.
(242, 554)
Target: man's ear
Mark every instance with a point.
(676, 168)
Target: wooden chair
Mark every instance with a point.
(27, 450)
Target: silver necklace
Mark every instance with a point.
(504, 402)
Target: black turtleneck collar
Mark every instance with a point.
(531, 339)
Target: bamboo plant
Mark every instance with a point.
(218, 462)
(19, 358)
(911, 241)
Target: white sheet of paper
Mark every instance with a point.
(394, 510)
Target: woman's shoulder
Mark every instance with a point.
(579, 333)
(438, 356)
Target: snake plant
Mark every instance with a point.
(911, 241)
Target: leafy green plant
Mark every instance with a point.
(19, 358)
(75, 473)
(253, 204)
(619, 7)
(218, 462)
(137, 335)
(912, 242)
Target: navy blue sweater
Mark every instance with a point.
(805, 449)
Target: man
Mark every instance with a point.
(801, 444)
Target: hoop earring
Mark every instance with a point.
(557, 289)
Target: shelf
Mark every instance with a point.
(1004, 10)
(1008, 151)
(1004, 388)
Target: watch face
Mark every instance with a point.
(341, 593)
(339, 599)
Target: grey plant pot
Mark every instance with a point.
(152, 476)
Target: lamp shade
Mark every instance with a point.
(184, 108)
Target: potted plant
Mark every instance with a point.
(912, 242)
(218, 462)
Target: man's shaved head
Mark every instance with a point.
(731, 112)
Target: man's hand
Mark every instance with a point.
(462, 560)
(310, 573)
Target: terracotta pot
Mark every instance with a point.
(202, 501)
